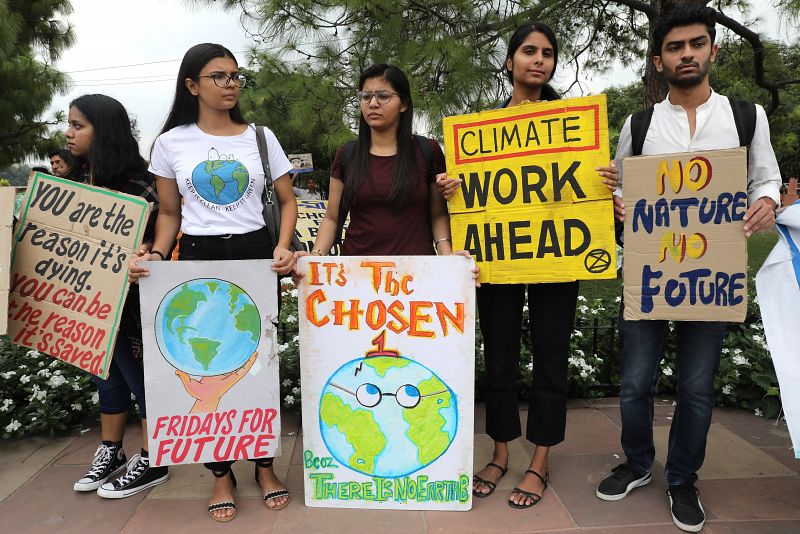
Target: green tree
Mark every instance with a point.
(453, 50)
(31, 39)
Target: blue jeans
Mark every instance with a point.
(125, 376)
(699, 345)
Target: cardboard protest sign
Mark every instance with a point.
(69, 273)
(778, 286)
(6, 222)
(210, 361)
(387, 367)
(532, 207)
(685, 250)
(309, 215)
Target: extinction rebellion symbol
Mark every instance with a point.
(597, 261)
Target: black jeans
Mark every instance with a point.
(251, 246)
(552, 317)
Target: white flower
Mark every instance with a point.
(296, 390)
(76, 406)
(725, 350)
(581, 298)
(529, 366)
(13, 426)
(727, 389)
(293, 292)
(667, 371)
(295, 339)
(24, 379)
(44, 372)
(282, 347)
(584, 374)
(736, 373)
(34, 353)
(583, 308)
(288, 400)
(737, 351)
(56, 380)
(740, 360)
(758, 412)
(76, 386)
(287, 382)
(41, 364)
(95, 398)
(8, 374)
(617, 299)
(291, 319)
(54, 364)
(577, 333)
(38, 394)
(7, 403)
(758, 339)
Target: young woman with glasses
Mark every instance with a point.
(221, 218)
(106, 154)
(530, 63)
(383, 181)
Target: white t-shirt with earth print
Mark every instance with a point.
(219, 177)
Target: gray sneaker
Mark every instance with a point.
(622, 480)
(109, 459)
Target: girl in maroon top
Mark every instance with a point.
(385, 183)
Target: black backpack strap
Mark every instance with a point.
(347, 154)
(427, 155)
(640, 123)
(744, 115)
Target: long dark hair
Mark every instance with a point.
(185, 109)
(519, 36)
(405, 165)
(114, 156)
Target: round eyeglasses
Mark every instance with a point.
(383, 97)
(370, 395)
(223, 80)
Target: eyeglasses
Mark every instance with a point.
(370, 395)
(383, 97)
(222, 80)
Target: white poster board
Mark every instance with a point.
(210, 360)
(387, 358)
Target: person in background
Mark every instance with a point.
(60, 162)
(310, 192)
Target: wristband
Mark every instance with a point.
(436, 243)
(317, 251)
(159, 254)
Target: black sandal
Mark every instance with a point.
(225, 505)
(534, 497)
(272, 495)
(488, 483)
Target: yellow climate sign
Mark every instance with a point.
(532, 207)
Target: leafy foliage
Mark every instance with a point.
(30, 41)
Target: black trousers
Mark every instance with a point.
(552, 318)
(251, 246)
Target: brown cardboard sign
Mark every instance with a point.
(6, 221)
(69, 272)
(685, 250)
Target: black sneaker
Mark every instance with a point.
(622, 480)
(687, 512)
(139, 477)
(109, 459)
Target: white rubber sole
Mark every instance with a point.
(121, 494)
(92, 486)
(683, 527)
(632, 486)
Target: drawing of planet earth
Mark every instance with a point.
(387, 416)
(207, 327)
(220, 181)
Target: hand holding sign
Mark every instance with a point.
(209, 389)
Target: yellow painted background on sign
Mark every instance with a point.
(524, 165)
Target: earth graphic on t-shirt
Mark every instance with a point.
(387, 416)
(207, 327)
(220, 181)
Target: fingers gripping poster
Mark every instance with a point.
(210, 360)
(387, 366)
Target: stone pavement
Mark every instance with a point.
(749, 484)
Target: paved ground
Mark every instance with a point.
(749, 484)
